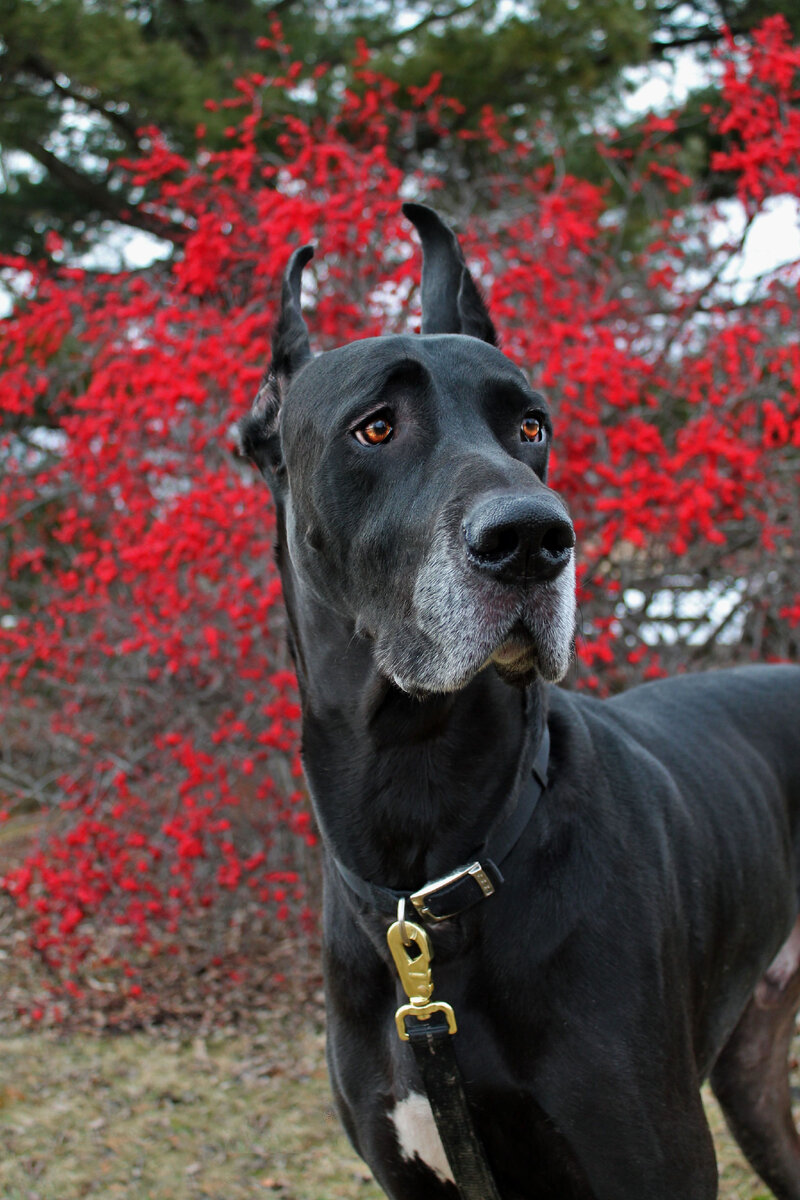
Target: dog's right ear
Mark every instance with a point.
(259, 430)
(451, 299)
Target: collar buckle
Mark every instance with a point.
(454, 892)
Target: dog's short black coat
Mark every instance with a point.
(645, 935)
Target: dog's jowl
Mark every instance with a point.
(609, 888)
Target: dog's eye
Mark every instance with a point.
(374, 431)
(531, 429)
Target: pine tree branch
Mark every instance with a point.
(100, 197)
(708, 35)
(97, 103)
(194, 36)
(431, 18)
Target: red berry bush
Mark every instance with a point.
(149, 712)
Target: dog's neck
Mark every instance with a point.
(404, 788)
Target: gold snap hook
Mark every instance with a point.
(413, 960)
(412, 952)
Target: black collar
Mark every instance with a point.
(465, 886)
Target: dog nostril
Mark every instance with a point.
(558, 540)
(495, 544)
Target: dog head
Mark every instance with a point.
(409, 475)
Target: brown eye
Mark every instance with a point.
(531, 429)
(375, 431)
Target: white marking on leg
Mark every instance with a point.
(780, 970)
(418, 1137)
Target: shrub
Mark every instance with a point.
(147, 700)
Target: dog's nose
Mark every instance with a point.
(518, 538)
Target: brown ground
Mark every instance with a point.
(230, 1116)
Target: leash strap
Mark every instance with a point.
(433, 1050)
(428, 1026)
(469, 884)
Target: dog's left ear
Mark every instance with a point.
(258, 431)
(451, 299)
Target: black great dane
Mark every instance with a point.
(641, 932)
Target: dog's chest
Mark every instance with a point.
(417, 1136)
(520, 1141)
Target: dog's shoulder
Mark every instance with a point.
(695, 727)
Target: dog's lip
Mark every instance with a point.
(517, 644)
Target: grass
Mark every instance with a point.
(228, 1117)
(736, 1180)
(144, 1118)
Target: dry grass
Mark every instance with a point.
(736, 1180)
(231, 1117)
(143, 1118)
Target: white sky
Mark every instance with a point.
(774, 237)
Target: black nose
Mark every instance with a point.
(517, 538)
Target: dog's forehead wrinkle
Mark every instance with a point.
(355, 364)
(365, 363)
(333, 392)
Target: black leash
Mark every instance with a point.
(433, 1049)
(426, 1024)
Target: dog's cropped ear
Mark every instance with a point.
(258, 431)
(451, 300)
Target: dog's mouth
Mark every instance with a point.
(463, 624)
(516, 659)
(518, 646)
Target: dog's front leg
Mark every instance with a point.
(638, 1135)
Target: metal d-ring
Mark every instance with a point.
(401, 921)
